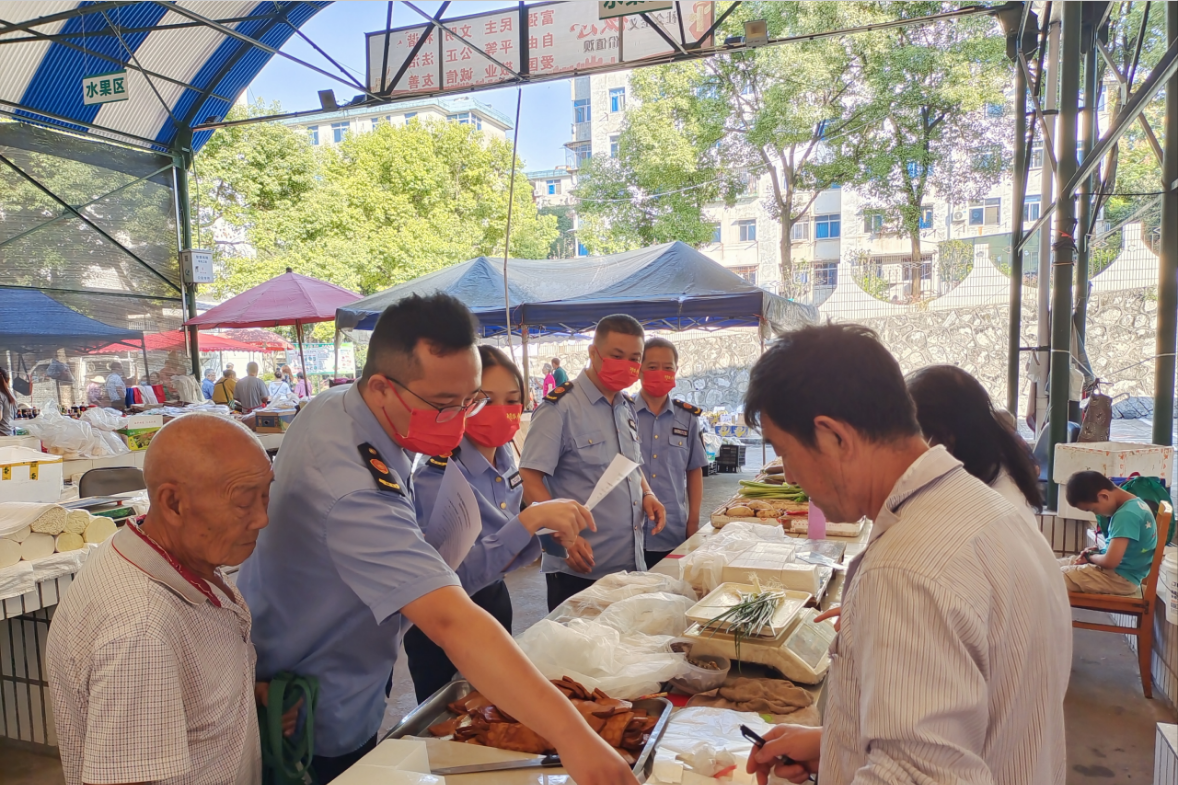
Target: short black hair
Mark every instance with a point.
(658, 342)
(841, 371)
(439, 318)
(1085, 487)
(493, 356)
(556, 362)
(618, 323)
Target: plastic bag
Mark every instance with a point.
(72, 439)
(282, 403)
(704, 567)
(650, 614)
(693, 729)
(616, 587)
(624, 665)
(103, 419)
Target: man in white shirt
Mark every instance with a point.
(954, 650)
(149, 657)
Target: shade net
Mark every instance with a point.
(92, 226)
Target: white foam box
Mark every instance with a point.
(774, 562)
(1113, 459)
(29, 475)
(1065, 510)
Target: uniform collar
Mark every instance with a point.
(357, 408)
(640, 405)
(469, 456)
(924, 472)
(132, 547)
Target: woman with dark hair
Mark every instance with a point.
(7, 404)
(954, 410)
(487, 460)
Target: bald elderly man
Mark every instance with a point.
(149, 656)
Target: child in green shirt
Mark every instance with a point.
(1131, 538)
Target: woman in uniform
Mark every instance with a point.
(486, 457)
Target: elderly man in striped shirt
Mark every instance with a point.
(955, 643)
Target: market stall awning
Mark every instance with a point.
(256, 340)
(287, 299)
(176, 340)
(33, 321)
(671, 286)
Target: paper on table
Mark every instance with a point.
(618, 470)
(455, 523)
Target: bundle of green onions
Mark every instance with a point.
(764, 490)
(752, 612)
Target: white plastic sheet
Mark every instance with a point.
(694, 728)
(71, 438)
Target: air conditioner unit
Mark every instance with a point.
(958, 216)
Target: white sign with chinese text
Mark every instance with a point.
(197, 266)
(614, 8)
(104, 88)
(560, 38)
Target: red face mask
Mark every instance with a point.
(658, 383)
(426, 435)
(617, 374)
(494, 426)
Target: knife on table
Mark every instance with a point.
(547, 762)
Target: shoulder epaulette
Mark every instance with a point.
(386, 478)
(688, 407)
(440, 461)
(559, 392)
(628, 397)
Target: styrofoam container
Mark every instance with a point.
(29, 475)
(1113, 459)
(1065, 510)
(1168, 583)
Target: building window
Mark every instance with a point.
(717, 233)
(926, 270)
(1037, 155)
(313, 134)
(916, 169)
(466, 118)
(582, 153)
(995, 110)
(985, 213)
(553, 187)
(1031, 208)
(873, 221)
(581, 111)
(613, 146)
(827, 227)
(926, 216)
(748, 230)
(748, 272)
(617, 99)
(337, 132)
(408, 116)
(747, 89)
(800, 230)
(826, 275)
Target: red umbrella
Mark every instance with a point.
(176, 339)
(259, 340)
(288, 299)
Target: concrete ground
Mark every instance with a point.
(1110, 725)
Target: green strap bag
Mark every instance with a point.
(286, 760)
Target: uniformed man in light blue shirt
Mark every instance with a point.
(673, 454)
(344, 558)
(573, 437)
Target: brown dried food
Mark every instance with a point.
(588, 709)
(492, 715)
(445, 728)
(615, 728)
(516, 737)
(608, 707)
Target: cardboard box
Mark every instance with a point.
(142, 422)
(273, 422)
(138, 439)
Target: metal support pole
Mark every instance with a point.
(1084, 230)
(1014, 337)
(184, 213)
(1064, 244)
(523, 340)
(1046, 184)
(1163, 395)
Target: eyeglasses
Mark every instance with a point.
(447, 413)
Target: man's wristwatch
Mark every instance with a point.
(647, 493)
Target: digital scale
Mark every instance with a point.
(800, 652)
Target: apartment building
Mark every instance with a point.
(840, 235)
(330, 128)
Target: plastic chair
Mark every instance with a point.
(1141, 607)
(111, 480)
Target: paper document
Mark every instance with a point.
(455, 523)
(618, 470)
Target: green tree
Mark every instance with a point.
(565, 244)
(934, 123)
(376, 210)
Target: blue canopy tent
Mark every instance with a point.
(31, 321)
(666, 287)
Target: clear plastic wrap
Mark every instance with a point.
(659, 613)
(619, 586)
(71, 438)
(624, 665)
(703, 568)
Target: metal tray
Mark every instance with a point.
(433, 711)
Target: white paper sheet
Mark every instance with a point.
(455, 523)
(618, 470)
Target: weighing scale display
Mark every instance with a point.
(810, 641)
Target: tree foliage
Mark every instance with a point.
(376, 210)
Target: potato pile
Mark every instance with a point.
(623, 727)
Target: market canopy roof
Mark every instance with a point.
(671, 286)
(32, 321)
(289, 298)
(182, 59)
(257, 340)
(177, 340)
